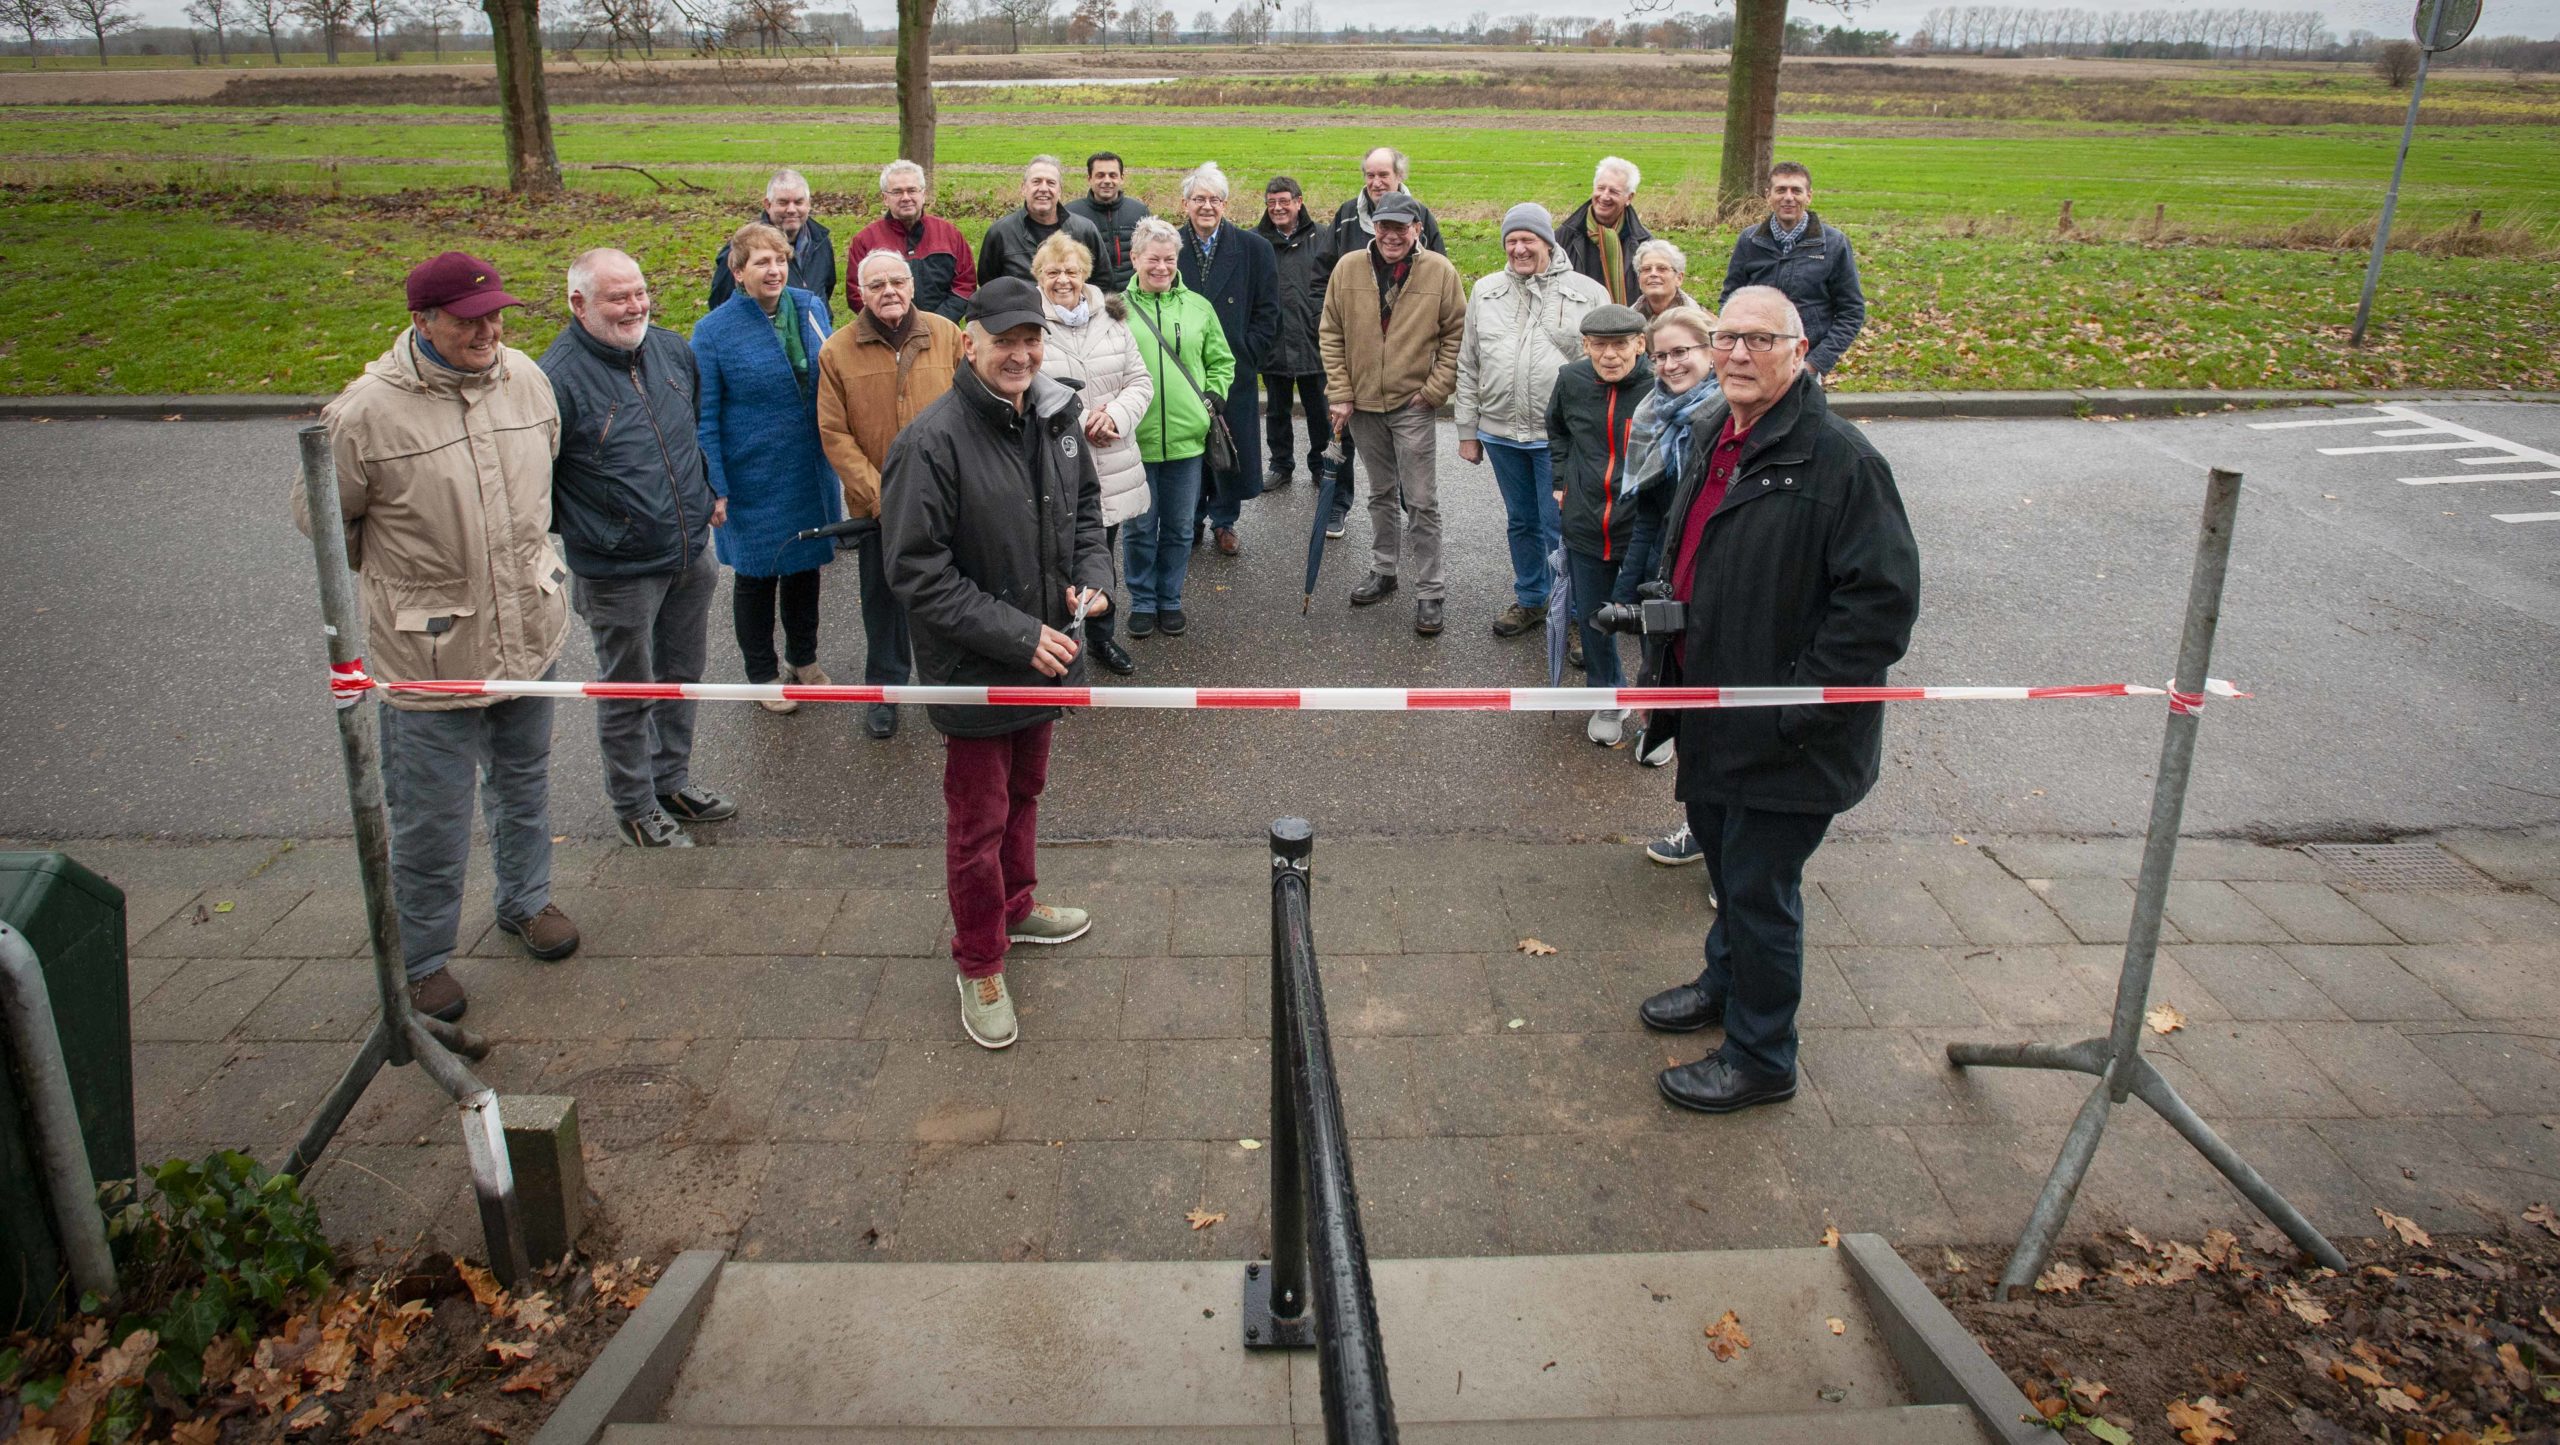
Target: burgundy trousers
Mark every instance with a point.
(991, 828)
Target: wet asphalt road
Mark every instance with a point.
(161, 659)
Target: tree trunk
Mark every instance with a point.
(275, 45)
(533, 163)
(915, 82)
(1751, 101)
(100, 31)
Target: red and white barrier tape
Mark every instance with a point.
(1299, 699)
(349, 682)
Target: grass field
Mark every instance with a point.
(261, 250)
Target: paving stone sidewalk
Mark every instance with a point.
(767, 1055)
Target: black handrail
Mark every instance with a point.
(1313, 1201)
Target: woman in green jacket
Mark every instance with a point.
(1185, 351)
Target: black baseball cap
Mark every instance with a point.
(1007, 302)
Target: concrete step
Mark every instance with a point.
(1901, 1425)
(1602, 1340)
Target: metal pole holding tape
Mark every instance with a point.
(2117, 1058)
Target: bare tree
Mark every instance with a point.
(332, 18)
(1204, 21)
(213, 15)
(1018, 13)
(101, 18)
(35, 17)
(1092, 22)
(1305, 21)
(2397, 63)
(438, 16)
(373, 15)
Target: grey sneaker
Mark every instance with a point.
(1046, 924)
(986, 1011)
(654, 829)
(1608, 727)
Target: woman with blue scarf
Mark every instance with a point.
(1684, 384)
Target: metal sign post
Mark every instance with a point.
(2117, 1058)
(401, 1035)
(2439, 25)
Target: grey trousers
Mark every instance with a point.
(432, 763)
(652, 628)
(1400, 452)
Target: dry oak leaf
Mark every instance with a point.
(537, 1377)
(2402, 1226)
(2542, 1214)
(195, 1432)
(2087, 1393)
(510, 1351)
(1725, 1337)
(124, 1364)
(2062, 1278)
(2394, 1399)
(385, 1409)
(1535, 949)
(2297, 1299)
(308, 1421)
(484, 1285)
(2221, 1249)
(1201, 1218)
(2202, 1422)
(2164, 1018)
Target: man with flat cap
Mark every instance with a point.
(444, 448)
(991, 518)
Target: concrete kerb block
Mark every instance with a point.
(190, 408)
(629, 1382)
(550, 1171)
(1941, 1359)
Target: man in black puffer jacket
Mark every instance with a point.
(1787, 547)
(632, 501)
(992, 524)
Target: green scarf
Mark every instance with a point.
(786, 329)
(1613, 257)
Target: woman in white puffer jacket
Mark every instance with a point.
(1089, 342)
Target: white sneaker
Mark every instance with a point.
(1608, 727)
(986, 1011)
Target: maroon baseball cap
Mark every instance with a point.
(458, 285)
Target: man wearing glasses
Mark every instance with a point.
(1787, 548)
(1797, 253)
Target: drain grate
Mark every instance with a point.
(619, 1108)
(2400, 866)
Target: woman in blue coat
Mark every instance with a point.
(758, 353)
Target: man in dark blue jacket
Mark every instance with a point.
(1240, 275)
(1793, 564)
(813, 251)
(632, 501)
(1810, 261)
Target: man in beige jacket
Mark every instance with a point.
(874, 375)
(1393, 316)
(444, 448)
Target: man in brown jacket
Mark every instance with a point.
(444, 448)
(874, 375)
(1393, 316)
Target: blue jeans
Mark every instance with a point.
(433, 765)
(1594, 584)
(1529, 500)
(1156, 544)
(1755, 949)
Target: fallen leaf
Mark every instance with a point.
(2087, 1393)
(1202, 1218)
(2511, 1360)
(2393, 1401)
(510, 1351)
(2108, 1431)
(1839, 1326)
(195, 1432)
(484, 1285)
(124, 1364)
(559, 837)
(1725, 1337)
(1517, 1023)
(384, 1408)
(534, 1312)
(224, 907)
(2202, 1422)
(2164, 1018)
(308, 1421)
(538, 1377)
(2542, 1214)
(1248, 1143)
(1830, 1236)
(2550, 1321)
(2221, 1249)
(1535, 949)
(1954, 1261)
(2402, 1226)
(2062, 1278)
(2297, 1299)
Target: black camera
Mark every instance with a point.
(1653, 614)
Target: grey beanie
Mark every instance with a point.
(1531, 217)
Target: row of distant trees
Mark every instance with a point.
(2196, 34)
(274, 26)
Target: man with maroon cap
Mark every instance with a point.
(444, 448)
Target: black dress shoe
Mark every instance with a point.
(883, 721)
(1716, 1085)
(1682, 1009)
(1114, 656)
(1426, 616)
(1373, 588)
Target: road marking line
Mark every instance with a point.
(2407, 431)
(2528, 516)
(2316, 421)
(2484, 477)
(2460, 446)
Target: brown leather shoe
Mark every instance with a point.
(439, 995)
(1228, 546)
(548, 935)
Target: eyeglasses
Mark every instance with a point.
(1756, 342)
(1674, 353)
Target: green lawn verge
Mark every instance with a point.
(140, 290)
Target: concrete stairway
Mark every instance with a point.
(1561, 1350)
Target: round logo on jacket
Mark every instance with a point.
(1068, 446)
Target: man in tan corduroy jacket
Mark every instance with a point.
(1393, 316)
(879, 370)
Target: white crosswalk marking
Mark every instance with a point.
(2457, 438)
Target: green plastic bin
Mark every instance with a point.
(74, 920)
